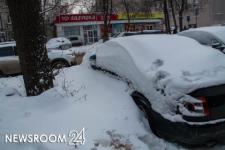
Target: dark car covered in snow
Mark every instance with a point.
(213, 36)
(178, 83)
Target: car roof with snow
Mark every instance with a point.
(6, 44)
(178, 55)
(217, 31)
(54, 43)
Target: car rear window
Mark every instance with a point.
(6, 51)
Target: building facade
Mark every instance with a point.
(5, 22)
(89, 27)
(205, 13)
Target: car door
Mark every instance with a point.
(9, 61)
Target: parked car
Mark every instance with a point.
(9, 60)
(59, 43)
(122, 34)
(75, 40)
(213, 36)
(178, 83)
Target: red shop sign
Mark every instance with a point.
(82, 18)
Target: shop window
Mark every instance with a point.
(71, 31)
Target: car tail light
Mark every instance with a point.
(204, 105)
(200, 107)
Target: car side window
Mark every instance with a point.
(6, 51)
(65, 46)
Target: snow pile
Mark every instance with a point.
(82, 98)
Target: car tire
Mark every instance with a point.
(145, 106)
(58, 65)
(1, 74)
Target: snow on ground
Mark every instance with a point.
(81, 98)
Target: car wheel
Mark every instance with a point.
(58, 65)
(144, 105)
(1, 74)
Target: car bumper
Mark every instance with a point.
(187, 134)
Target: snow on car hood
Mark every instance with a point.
(176, 61)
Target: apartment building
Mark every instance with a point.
(205, 13)
(5, 22)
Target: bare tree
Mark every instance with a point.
(166, 15)
(107, 12)
(181, 6)
(29, 35)
(127, 9)
(173, 11)
(87, 6)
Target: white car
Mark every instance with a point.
(178, 83)
(9, 60)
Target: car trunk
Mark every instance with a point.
(215, 101)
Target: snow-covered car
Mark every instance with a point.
(213, 36)
(178, 83)
(60, 52)
(9, 60)
(122, 34)
(60, 43)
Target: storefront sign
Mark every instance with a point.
(153, 15)
(82, 18)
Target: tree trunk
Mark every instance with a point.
(27, 25)
(127, 9)
(181, 21)
(105, 9)
(181, 15)
(166, 15)
(174, 16)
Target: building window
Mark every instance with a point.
(71, 31)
